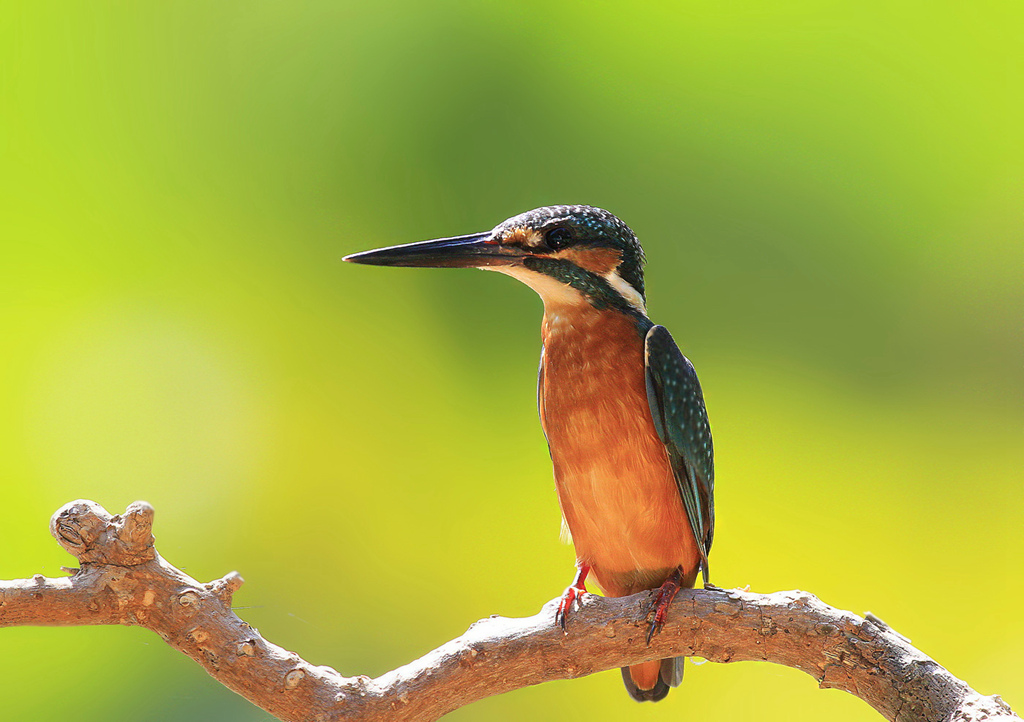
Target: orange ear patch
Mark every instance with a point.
(601, 261)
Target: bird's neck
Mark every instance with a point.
(584, 325)
(570, 314)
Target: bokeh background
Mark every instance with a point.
(831, 199)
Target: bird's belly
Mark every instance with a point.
(625, 516)
(615, 485)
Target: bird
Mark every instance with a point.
(621, 408)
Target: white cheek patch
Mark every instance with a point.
(624, 289)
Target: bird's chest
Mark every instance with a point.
(614, 481)
(593, 396)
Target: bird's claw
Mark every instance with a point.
(659, 608)
(570, 598)
(572, 594)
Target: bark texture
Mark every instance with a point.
(122, 580)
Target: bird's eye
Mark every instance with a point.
(558, 238)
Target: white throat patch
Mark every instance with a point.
(556, 294)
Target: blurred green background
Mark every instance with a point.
(831, 199)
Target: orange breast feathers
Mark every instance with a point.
(615, 484)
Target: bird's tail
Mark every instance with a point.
(650, 681)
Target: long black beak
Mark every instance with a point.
(474, 251)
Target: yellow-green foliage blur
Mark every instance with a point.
(830, 199)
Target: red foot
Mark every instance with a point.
(666, 594)
(572, 593)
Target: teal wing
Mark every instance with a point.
(677, 407)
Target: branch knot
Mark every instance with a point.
(90, 533)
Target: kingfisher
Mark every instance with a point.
(620, 406)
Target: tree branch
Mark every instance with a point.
(123, 580)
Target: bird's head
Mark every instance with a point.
(567, 254)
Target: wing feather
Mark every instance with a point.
(681, 420)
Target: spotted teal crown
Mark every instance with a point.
(587, 226)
